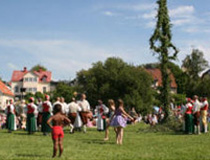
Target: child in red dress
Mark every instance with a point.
(58, 121)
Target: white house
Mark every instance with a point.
(5, 95)
(30, 81)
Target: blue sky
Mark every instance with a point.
(69, 35)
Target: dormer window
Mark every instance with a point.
(44, 79)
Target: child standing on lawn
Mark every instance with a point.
(119, 121)
(58, 121)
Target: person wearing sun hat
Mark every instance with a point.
(31, 116)
(10, 111)
(189, 117)
(46, 114)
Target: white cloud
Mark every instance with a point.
(182, 11)
(64, 57)
(12, 66)
(111, 14)
(138, 7)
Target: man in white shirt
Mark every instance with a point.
(85, 107)
(73, 108)
(196, 114)
(64, 106)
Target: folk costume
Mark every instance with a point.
(101, 111)
(84, 114)
(11, 118)
(196, 115)
(189, 125)
(73, 109)
(46, 114)
(31, 125)
(204, 112)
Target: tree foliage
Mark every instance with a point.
(38, 67)
(195, 63)
(160, 43)
(63, 90)
(115, 79)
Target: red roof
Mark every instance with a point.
(44, 76)
(5, 90)
(157, 75)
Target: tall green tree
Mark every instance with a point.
(195, 63)
(115, 79)
(160, 43)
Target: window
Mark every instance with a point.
(30, 79)
(44, 89)
(30, 89)
(16, 89)
(44, 79)
(35, 79)
(34, 89)
(26, 79)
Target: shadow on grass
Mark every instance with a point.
(26, 134)
(30, 155)
(97, 141)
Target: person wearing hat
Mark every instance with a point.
(100, 111)
(204, 112)
(46, 114)
(196, 114)
(188, 117)
(31, 116)
(11, 118)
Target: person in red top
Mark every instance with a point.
(189, 117)
(58, 121)
(46, 114)
(31, 118)
(204, 110)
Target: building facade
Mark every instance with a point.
(5, 95)
(157, 79)
(30, 81)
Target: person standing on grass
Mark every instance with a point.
(73, 108)
(111, 106)
(58, 121)
(119, 121)
(196, 114)
(64, 106)
(46, 114)
(85, 106)
(188, 117)
(31, 118)
(11, 118)
(101, 110)
(204, 112)
(39, 117)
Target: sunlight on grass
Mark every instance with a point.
(137, 145)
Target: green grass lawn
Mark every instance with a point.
(137, 145)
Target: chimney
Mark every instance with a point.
(25, 69)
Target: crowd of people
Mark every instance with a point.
(195, 115)
(77, 115)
